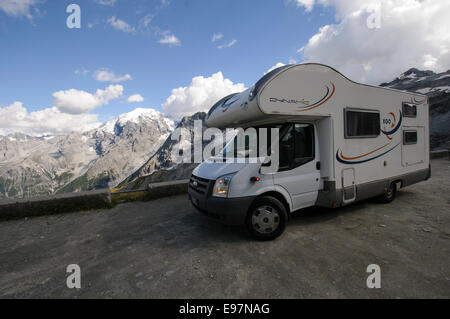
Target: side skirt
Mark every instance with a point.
(332, 197)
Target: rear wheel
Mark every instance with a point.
(266, 219)
(389, 194)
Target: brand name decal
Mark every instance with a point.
(277, 100)
(305, 105)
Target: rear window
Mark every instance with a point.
(409, 110)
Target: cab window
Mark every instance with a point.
(296, 146)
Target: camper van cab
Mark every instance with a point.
(339, 142)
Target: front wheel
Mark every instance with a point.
(389, 194)
(267, 218)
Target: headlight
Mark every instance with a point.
(221, 186)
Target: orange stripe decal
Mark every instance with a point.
(323, 102)
(353, 158)
(395, 119)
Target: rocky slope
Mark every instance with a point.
(101, 158)
(437, 87)
(161, 166)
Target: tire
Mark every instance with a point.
(389, 194)
(266, 218)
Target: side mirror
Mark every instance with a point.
(267, 164)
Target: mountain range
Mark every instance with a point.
(135, 148)
(101, 158)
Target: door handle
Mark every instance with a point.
(318, 166)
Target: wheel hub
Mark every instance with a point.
(265, 219)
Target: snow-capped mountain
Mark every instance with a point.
(100, 158)
(437, 87)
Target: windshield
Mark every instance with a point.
(246, 144)
(295, 143)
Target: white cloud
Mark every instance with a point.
(135, 98)
(15, 118)
(429, 61)
(145, 21)
(276, 66)
(77, 102)
(105, 75)
(227, 45)
(165, 3)
(200, 95)
(120, 25)
(106, 2)
(412, 33)
(216, 37)
(18, 8)
(81, 71)
(307, 4)
(169, 38)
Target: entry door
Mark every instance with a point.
(299, 171)
(348, 185)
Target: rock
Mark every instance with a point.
(161, 167)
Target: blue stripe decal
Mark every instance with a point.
(328, 91)
(363, 161)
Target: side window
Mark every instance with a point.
(304, 143)
(409, 137)
(361, 124)
(409, 110)
(297, 146)
(287, 148)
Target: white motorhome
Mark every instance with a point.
(340, 142)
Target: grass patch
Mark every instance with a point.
(120, 198)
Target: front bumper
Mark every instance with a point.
(230, 211)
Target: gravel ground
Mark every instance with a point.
(165, 249)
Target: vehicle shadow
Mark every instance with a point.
(193, 229)
(312, 215)
(315, 214)
(205, 228)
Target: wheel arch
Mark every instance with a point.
(396, 182)
(278, 196)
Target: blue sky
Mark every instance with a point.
(40, 55)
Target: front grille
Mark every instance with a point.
(199, 185)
